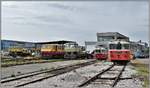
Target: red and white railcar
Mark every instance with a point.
(100, 53)
(119, 51)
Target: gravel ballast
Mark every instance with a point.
(21, 69)
(76, 77)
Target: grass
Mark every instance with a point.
(142, 73)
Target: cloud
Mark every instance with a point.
(60, 6)
(79, 21)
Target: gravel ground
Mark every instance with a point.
(8, 71)
(71, 79)
(74, 78)
(129, 83)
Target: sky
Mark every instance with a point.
(79, 21)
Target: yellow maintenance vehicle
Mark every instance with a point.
(18, 51)
(73, 51)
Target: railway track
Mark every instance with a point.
(39, 76)
(99, 76)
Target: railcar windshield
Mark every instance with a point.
(97, 51)
(48, 46)
(103, 51)
(100, 51)
(112, 46)
(71, 45)
(125, 46)
(119, 46)
(44, 46)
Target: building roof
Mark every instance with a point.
(51, 42)
(111, 34)
(56, 42)
(15, 41)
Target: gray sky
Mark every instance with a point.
(74, 20)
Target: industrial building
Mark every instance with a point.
(6, 44)
(110, 36)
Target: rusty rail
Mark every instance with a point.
(96, 76)
(118, 76)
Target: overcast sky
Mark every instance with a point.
(74, 20)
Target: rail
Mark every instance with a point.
(116, 79)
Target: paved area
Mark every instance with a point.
(142, 60)
(15, 70)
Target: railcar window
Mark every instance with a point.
(125, 46)
(112, 46)
(103, 51)
(97, 51)
(48, 46)
(44, 46)
(72, 46)
(119, 45)
(74, 52)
